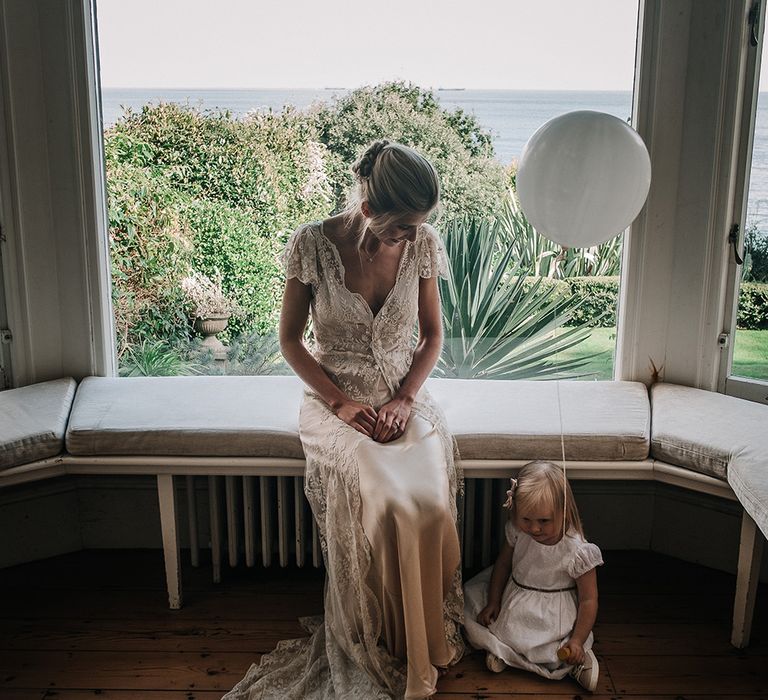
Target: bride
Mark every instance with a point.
(381, 477)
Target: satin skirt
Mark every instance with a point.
(414, 547)
(408, 523)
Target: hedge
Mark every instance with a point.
(599, 297)
(753, 306)
(600, 302)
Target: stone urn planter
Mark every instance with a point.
(210, 327)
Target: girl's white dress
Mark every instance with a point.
(537, 615)
(386, 513)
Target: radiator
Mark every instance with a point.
(266, 520)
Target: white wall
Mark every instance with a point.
(689, 90)
(51, 201)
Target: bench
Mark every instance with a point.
(248, 426)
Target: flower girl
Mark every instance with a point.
(536, 608)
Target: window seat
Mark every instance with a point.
(248, 426)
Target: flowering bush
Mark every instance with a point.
(207, 297)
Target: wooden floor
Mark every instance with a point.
(96, 625)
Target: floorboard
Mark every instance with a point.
(95, 624)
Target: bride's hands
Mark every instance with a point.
(392, 419)
(359, 415)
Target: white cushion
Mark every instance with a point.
(202, 416)
(32, 421)
(719, 435)
(703, 430)
(521, 419)
(748, 477)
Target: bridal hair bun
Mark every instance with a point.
(394, 180)
(364, 166)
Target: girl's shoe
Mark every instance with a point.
(586, 674)
(494, 663)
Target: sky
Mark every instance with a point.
(481, 44)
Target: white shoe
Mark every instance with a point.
(494, 663)
(586, 674)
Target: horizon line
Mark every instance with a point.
(330, 89)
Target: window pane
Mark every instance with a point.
(750, 350)
(207, 181)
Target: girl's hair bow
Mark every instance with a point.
(511, 494)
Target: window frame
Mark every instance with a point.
(729, 383)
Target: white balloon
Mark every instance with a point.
(582, 178)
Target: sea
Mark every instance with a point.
(511, 117)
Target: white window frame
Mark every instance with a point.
(53, 193)
(733, 385)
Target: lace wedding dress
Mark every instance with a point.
(386, 513)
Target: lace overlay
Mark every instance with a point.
(367, 356)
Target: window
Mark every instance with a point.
(5, 355)
(214, 156)
(746, 358)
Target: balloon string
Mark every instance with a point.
(562, 448)
(565, 504)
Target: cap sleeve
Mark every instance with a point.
(511, 532)
(299, 258)
(586, 557)
(433, 260)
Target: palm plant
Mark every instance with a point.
(543, 258)
(498, 324)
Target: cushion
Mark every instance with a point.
(703, 430)
(719, 435)
(748, 477)
(33, 420)
(520, 419)
(203, 416)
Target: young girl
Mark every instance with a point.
(536, 609)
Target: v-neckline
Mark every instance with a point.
(359, 296)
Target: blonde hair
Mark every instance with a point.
(543, 484)
(395, 180)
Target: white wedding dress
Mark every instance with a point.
(386, 513)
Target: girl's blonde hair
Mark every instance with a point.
(543, 484)
(395, 180)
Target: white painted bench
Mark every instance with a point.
(248, 426)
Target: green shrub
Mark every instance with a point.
(191, 190)
(755, 267)
(154, 358)
(599, 302)
(226, 241)
(753, 306)
(266, 164)
(599, 297)
(472, 181)
(150, 251)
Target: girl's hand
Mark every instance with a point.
(488, 614)
(360, 416)
(392, 419)
(577, 655)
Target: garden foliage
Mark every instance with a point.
(203, 191)
(755, 267)
(498, 323)
(753, 306)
